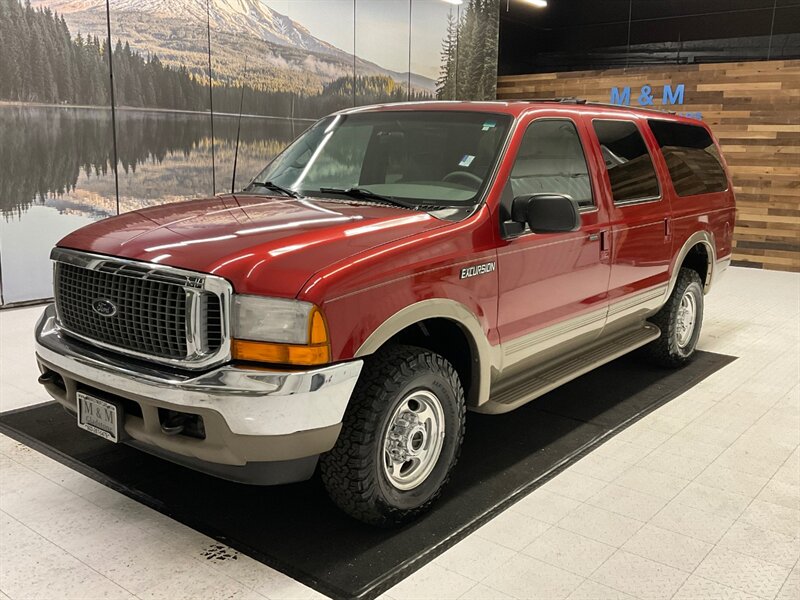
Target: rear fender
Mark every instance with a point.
(700, 237)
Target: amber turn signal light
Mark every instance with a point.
(317, 330)
(284, 354)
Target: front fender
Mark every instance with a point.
(441, 308)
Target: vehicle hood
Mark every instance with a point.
(262, 245)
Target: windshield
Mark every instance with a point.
(436, 158)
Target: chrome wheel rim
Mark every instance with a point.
(413, 440)
(687, 316)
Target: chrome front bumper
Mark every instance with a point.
(252, 402)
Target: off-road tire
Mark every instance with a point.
(666, 350)
(353, 471)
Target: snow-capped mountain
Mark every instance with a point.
(176, 30)
(249, 17)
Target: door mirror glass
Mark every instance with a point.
(546, 213)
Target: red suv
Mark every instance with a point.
(395, 266)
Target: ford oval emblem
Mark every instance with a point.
(104, 308)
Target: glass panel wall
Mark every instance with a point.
(284, 62)
(56, 151)
(160, 60)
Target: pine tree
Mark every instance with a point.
(40, 61)
(469, 53)
(466, 52)
(445, 85)
(491, 19)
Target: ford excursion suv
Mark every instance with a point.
(394, 267)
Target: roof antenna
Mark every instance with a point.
(239, 128)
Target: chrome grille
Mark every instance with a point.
(213, 321)
(163, 313)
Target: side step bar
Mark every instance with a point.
(547, 377)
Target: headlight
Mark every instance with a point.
(277, 330)
(271, 319)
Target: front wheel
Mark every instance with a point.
(680, 320)
(401, 437)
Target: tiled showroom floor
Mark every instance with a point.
(700, 499)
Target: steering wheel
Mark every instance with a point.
(464, 178)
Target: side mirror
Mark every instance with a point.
(547, 213)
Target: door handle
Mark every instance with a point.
(602, 236)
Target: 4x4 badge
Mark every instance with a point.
(477, 270)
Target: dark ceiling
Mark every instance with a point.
(573, 35)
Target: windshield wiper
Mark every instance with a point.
(365, 194)
(276, 188)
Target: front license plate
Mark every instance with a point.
(98, 416)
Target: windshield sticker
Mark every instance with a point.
(466, 161)
(487, 125)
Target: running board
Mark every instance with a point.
(541, 380)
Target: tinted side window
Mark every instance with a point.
(630, 168)
(691, 157)
(551, 161)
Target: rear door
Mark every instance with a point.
(640, 238)
(552, 286)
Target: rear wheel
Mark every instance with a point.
(401, 437)
(680, 320)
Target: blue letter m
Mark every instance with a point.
(624, 98)
(671, 97)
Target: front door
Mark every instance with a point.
(552, 287)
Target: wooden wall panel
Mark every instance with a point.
(753, 109)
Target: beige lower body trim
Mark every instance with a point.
(538, 381)
(636, 307)
(524, 352)
(543, 345)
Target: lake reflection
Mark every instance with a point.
(55, 173)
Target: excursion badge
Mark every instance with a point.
(476, 270)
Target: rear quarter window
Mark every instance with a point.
(691, 156)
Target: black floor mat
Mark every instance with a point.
(295, 529)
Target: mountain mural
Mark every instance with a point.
(283, 55)
(48, 65)
(56, 126)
